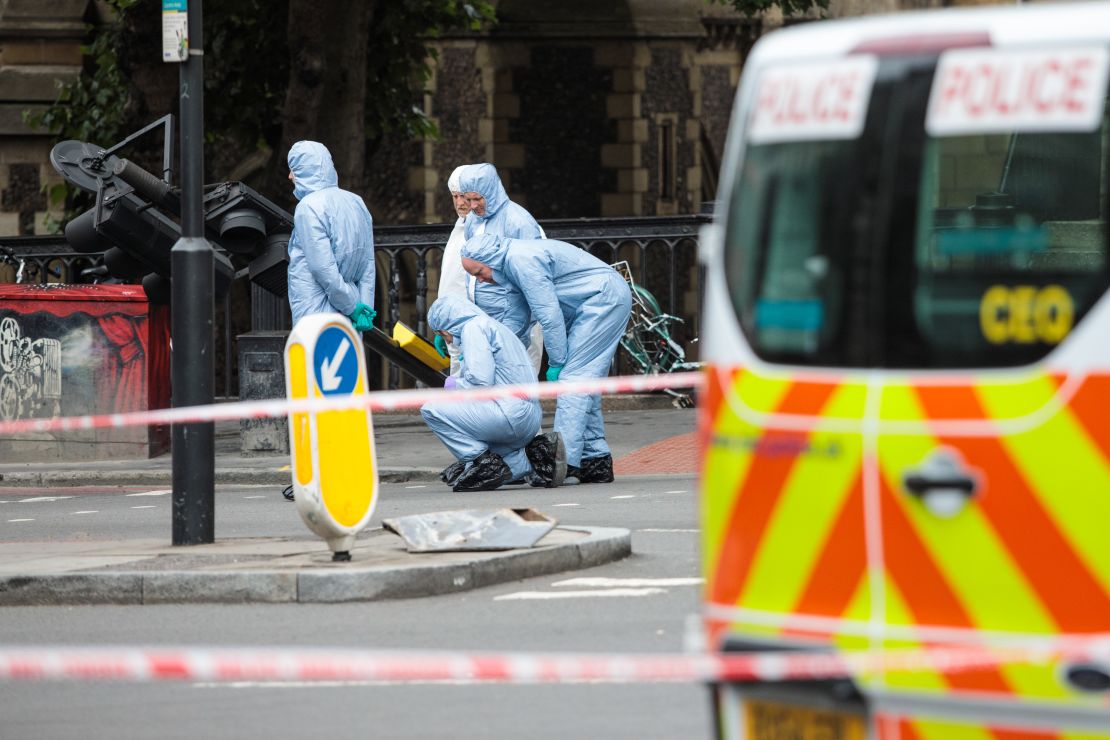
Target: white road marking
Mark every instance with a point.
(21, 520)
(628, 582)
(84, 512)
(145, 506)
(543, 595)
(680, 531)
(556, 505)
(628, 495)
(150, 493)
(675, 491)
(415, 487)
(34, 499)
(255, 497)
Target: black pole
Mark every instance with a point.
(193, 314)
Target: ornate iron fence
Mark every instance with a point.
(44, 259)
(662, 253)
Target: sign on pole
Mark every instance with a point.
(175, 30)
(335, 472)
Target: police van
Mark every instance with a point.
(906, 414)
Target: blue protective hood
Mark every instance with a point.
(489, 249)
(450, 313)
(483, 179)
(312, 168)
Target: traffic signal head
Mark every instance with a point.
(133, 223)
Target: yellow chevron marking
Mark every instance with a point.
(859, 610)
(814, 493)
(928, 729)
(728, 459)
(1066, 471)
(974, 561)
(897, 612)
(1082, 736)
(1039, 681)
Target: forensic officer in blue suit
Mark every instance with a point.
(331, 252)
(488, 438)
(583, 306)
(491, 212)
(508, 305)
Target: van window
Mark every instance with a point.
(897, 249)
(788, 270)
(1011, 244)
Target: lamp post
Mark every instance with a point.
(192, 365)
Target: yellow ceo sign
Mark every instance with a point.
(1025, 314)
(335, 476)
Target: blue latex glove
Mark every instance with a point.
(441, 345)
(363, 317)
(553, 372)
(451, 382)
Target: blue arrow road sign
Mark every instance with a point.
(335, 362)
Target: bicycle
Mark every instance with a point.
(647, 340)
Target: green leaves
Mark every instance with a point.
(399, 38)
(91, 108)
(247, 72)
(789, 7)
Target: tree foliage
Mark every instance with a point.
(248, 67)
(789, 7)
(400, 55)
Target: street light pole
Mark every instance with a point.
(192, 306)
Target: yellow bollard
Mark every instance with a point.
(335, 472)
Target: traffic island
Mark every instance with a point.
(281, 570)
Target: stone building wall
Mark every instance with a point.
(599, 109)
(587, 111)
(40, 46)
(460, 116)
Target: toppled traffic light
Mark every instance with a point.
(134, 222)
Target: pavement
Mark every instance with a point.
(649, 436)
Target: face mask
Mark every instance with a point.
(299, 190)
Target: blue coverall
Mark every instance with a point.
(331, 252)
(507, 305)
(583, 306)
(490, 355)
(503, 217)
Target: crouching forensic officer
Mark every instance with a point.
(488, 438)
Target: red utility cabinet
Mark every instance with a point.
(71, 350)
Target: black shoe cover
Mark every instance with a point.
(450, 474)
(487, 472)
(548, 456)
(596, 469)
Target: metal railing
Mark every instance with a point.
(44, 259)
(661, 251)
